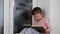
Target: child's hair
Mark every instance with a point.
(37, 10)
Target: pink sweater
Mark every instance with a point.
(44, 23)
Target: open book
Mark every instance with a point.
(32, 25)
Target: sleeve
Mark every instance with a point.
(48, 26)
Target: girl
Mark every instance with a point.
(39, 21)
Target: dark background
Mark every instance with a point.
(22, 14)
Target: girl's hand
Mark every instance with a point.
(48, 31)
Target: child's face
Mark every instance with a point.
(37, 16)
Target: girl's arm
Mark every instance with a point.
(48, 26)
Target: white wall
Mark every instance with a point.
(52, 11)
(54, 16)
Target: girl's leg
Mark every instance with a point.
(31, 31)
(23, 31)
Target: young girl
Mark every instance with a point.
(40, 20)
